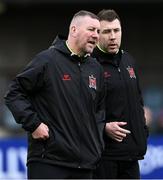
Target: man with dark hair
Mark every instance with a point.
(59, 100)
(125, 131)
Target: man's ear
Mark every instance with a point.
(73, 31)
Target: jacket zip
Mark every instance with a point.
(119, 72)
(79, 66)
(125, 87)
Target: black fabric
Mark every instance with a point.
(108, 169)
(123, 103)
(67, 94)
(38, 170)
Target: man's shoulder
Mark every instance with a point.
(45, 55)
(94, 62)
(127, 55)
(40, 59)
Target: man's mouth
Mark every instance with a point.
(113, 45)
(92, 42)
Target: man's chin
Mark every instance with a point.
(113, 51)
(90, 50)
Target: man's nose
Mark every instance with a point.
(95, 34)
(112, 35)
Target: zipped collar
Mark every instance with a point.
(73, 53)
(104, 57)
(60, 44)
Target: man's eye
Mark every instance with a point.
(106, 31)
(116, 30)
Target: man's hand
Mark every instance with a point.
(115, 131)
(42, 132)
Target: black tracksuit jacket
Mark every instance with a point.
(67, 94)
(123, 103)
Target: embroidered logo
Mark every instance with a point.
(92, 82)
(131, 72)
(107, 74)
(66, 77)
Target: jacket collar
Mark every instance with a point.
(60, 44)
(104, 57)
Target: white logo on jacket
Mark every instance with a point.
(131, 72)
(92, 82)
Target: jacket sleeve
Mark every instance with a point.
(141, 101)
(18, 97)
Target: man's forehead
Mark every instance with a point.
(110, 25)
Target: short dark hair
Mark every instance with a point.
(108, 15)
(86, 13)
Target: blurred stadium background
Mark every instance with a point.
(29, 26)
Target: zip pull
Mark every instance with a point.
(79, 66)
(119, 69)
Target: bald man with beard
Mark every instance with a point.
(59, 100)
